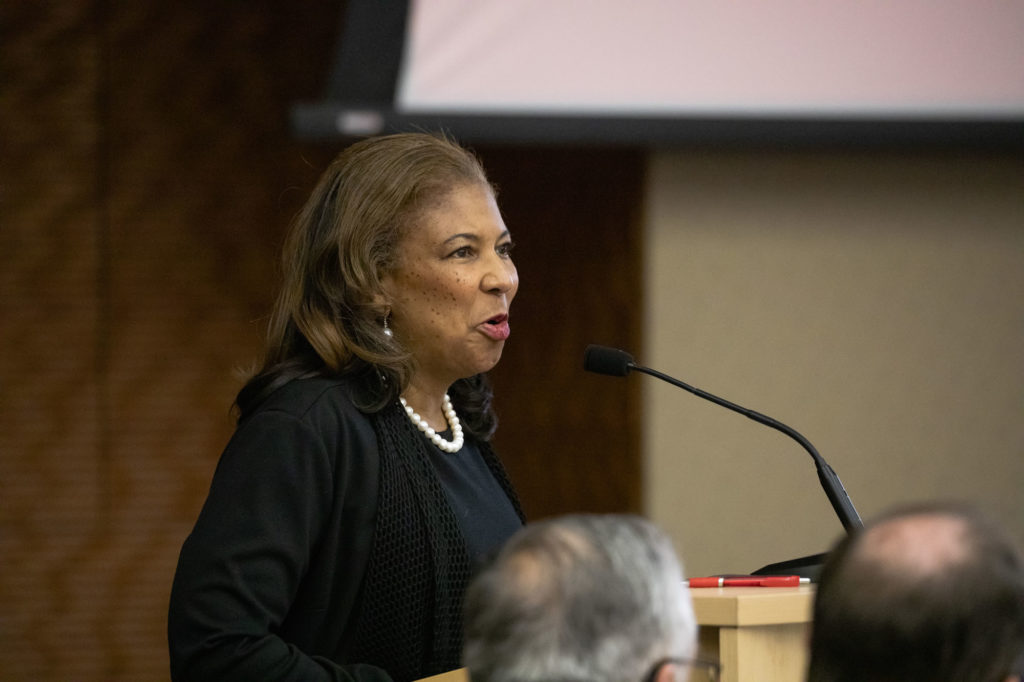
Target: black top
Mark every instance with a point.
(484, 512)
(271, 583)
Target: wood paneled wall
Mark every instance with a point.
(571, 439)
(146, 178)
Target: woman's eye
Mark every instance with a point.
(505, 249)
(462, 252)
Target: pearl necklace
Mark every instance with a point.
(455, 444)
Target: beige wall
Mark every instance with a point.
(875, 303)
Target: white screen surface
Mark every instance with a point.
(896, 58)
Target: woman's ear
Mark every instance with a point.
(381, 301)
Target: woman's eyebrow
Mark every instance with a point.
(462, 235)
(475, 237)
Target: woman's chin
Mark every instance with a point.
(484, 363)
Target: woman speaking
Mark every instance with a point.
(359, 489)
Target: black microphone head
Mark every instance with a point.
(605, 360)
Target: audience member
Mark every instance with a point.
(583, 598)
(931, 593)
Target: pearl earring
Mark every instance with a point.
(387, 330)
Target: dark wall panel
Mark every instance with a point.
(147, 176)
(571, 439)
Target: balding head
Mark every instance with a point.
(598, 598)
(926, 593)
(916, 546)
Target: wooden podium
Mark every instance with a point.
(458, 675)
(759, 634)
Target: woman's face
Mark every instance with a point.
(452, 286)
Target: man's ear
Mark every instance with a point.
(667, 673)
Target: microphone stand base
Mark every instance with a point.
(805, 567)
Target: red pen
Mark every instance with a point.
(747, 581)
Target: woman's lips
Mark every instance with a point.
(496, 328)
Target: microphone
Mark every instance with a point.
(618, 363)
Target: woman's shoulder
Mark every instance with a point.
(315, 414)
(315, 398)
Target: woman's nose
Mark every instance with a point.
(501, 278)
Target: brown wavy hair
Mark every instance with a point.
(327, 319)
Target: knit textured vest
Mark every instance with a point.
(410, 617)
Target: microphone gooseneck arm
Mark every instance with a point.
(834, 489)
(614, 362)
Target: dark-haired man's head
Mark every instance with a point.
(927, 593)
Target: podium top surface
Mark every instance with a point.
(740, 606)
(457, 675)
